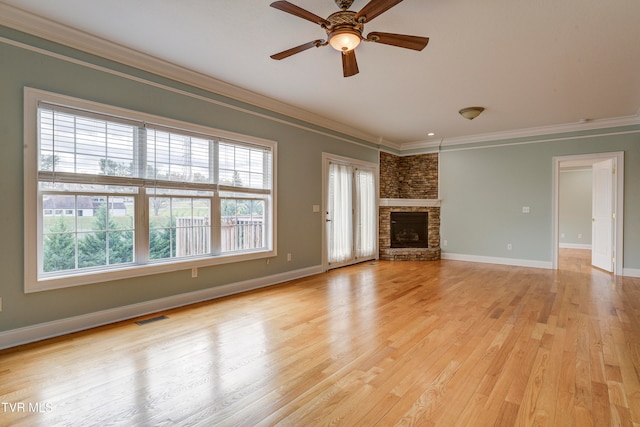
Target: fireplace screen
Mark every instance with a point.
(409, 230)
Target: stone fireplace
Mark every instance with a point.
(409, 188)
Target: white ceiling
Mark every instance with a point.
(531, 64)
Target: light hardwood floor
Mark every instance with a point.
(381, 343)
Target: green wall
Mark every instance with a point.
(484, 187)
(77, 74)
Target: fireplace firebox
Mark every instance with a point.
(409, 230)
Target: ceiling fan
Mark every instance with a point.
(344, 31)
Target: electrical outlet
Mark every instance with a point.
(315, 208)
(509, 246)
(194, 272)
(526, 209)
(0, 304)
(580, 236)
(288, 257)
(445, 243)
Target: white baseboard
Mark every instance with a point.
(496, 260)
(627, 272)
(574, 246)
(69, 325)
(631, 272)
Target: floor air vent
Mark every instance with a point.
(151, 320)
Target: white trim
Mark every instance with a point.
(389, 145)
(574, 246)
(69, 325)
(528, 132)
(410, 202)
(53, 31)
(496, 260)
(618, 158)
(631, 272)
(350, 161)
(543, 140)
(421, 145)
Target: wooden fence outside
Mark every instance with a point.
(237, 233)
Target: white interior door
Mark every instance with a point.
(602, 215)
(351, 214)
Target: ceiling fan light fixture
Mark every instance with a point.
(471, 113)
(344, 40)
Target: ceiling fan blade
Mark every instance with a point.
(400, 40)
(375, 8)
(285, 6)
(349, 63)
(297, 49)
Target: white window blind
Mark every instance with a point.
(85, 143)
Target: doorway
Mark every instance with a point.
(350, 232)
(606, 212)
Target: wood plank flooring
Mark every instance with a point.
(444, 343)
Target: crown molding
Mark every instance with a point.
(421, 145)
(528, 132)
(388, 144)
(38, 26)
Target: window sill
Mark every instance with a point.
(134, 270)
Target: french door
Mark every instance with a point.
(350, 210)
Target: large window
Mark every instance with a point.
(112, 193)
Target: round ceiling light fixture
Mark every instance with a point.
(471, 113)
(344, 40)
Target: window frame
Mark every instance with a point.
(33, 209)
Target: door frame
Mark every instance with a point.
(618, 194)
(326, 158)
